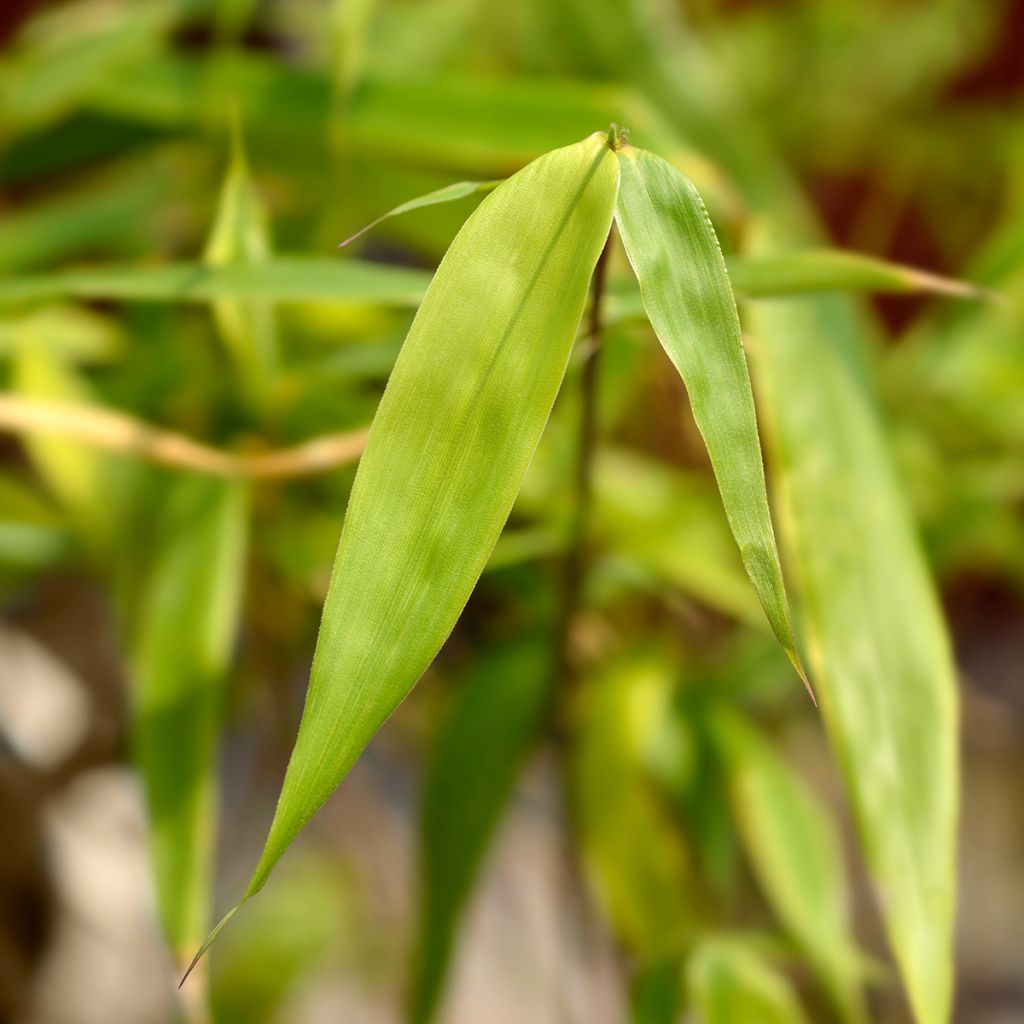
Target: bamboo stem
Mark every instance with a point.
(120, 432)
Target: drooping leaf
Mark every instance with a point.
(796, 854)
(802, 271)
(451, 441)
(448, 194)
(673, 249)
(475, 756)
(186, 625)
(879, 645)
(729, 982)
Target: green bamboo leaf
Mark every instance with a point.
(31, 534)
(186, 627)
(796, 854)
(634, 855)
(729, 983)
(835, 270)
(673, 249)
(448, 194)
(474, 760)
(879, 645)
(656, 994)
(241, 237)
(447, 452)
(289, 279)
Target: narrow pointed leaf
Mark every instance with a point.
(475, 756)
(283, 279)
(880, 649)
(448, 194)
(795, 850)
(673, 249)
(187, 622)
(450, 444)
(241, 237)
(805, 271)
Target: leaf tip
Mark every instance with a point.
(209, 941)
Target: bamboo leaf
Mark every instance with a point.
(634, 855)
(241, 237)
(796, 854)
(672, 247)
(879, 646)
(186, 629)
(475, 756)
(447, 452)
(448, 194)
(280, 280)
(729, 982)
(835, 270)
(295, 279)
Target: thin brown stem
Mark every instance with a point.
(565, 670)
(574, 565)
(119, 432)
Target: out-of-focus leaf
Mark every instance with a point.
(186, 625)
(835, 270)
(729, 983)
(76, 473)
(671, 523)
(281, 280)
(67, 333)
(350, 24)
(880, 649)
(796, 855)
(448, 194)
(633, 852)
(474, 760)
(308, 918)
(31, 534)
(104, 214)
(451, 441)
(241, 237)
(673, 249)
(61, 56)
(657, 994)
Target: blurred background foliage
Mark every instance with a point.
(664, 837)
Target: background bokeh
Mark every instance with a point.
(137, 135)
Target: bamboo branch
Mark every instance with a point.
(120, 432)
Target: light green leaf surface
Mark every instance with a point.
(879, 647)
(292, 279)
(796, 853)
(448, 194)
(475, 756)
(731, 984)
(241, 237)
(801, 271)
(673, 249)
(185, 633)
(281, 280)
(31, 533)
(81, 477)
(634, 855)
(447, 452)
